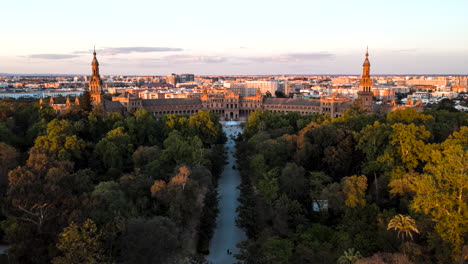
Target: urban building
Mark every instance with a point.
(171, 79)
(186, 77)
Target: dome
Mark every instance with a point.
(95, 61)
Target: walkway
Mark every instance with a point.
(227, 234)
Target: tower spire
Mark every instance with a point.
(366, 82)
(365, 85)
(95, 84)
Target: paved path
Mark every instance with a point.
(3, 249)
(227, 234)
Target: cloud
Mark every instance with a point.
(194, 59)
(52, 56)
(127, 50)
(404, 50)
(287, 58)
(293, 57)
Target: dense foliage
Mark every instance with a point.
(363, 186)
(107, 188)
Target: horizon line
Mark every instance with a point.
(279, 74)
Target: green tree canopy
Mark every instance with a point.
(441, 191)
(81, 244)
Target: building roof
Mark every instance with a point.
(172, 101)
(292, 101)
(112, 105)
(127, 94)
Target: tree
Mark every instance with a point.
(181, 178)
(114, 150)
(247, 211)
(408, 116)
(41, 200)
(354, 188)
(85, 102)
(183, 151)
(263, 121)
(158, 186)
(143, 128)
(316, 245)
(441, 191)
(46, 112)
(279, 94)
(204, 125)
(268, 186)
(110, 201)
(8, 156)
(80, 244)
(144, 155)
(277, 251)
(404, 225)
(350, 256)
(406, 155)
(446, 104)
(293, 182)
(257, 167)
(61, 140)
(149, 241)
(317, 186)
(326, 148)
(182, 200)
(445, 123)
(373, 141)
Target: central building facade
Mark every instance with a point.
(232, 106)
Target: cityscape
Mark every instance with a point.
(247, 132)
(389, 92)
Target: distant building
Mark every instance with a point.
(186, 77)
(172, 79)
(289, 88)
(264, 86)
(342, 80)
(439, 81)
(19, 95)
(244, 91)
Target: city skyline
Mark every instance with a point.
(260, 38)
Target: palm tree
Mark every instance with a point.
(350, 256)
(404, 225)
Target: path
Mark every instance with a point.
(227, 234)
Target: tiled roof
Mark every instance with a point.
(173, 101)
(112, 105)
(291, 101)
(126, 94)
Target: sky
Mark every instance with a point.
(211, 37)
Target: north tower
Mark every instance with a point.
(365, 94)
(95, 83)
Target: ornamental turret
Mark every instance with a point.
(365, 94)
(365, 84)
(95, 84)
